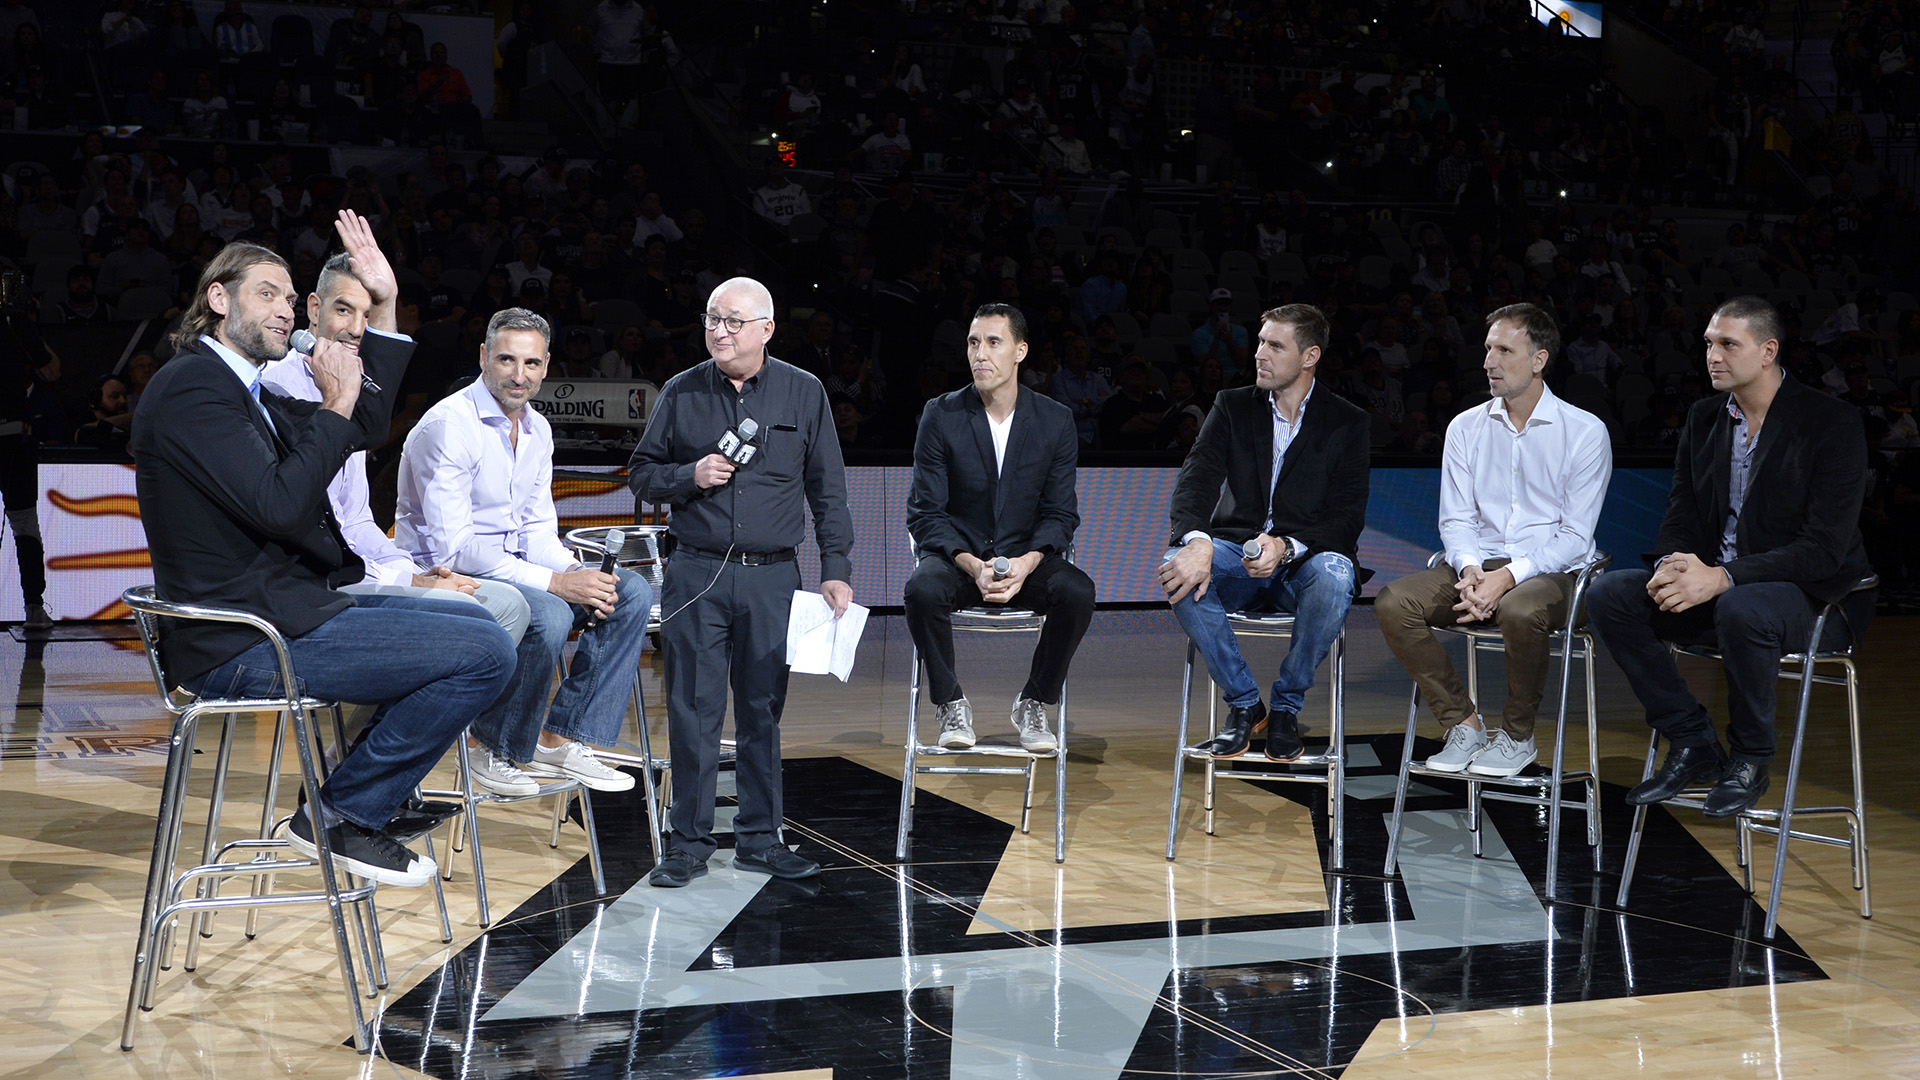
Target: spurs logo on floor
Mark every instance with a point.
(870, 970)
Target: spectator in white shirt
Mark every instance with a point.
(780, 199)
(123, 26)
(888, 149)
(235, 34)
(476, 496)
(653, 221)
(1522, 481)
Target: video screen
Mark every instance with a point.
(1578, 19)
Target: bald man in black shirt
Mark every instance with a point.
(730, 582)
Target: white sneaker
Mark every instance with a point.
(956, 725)
(500, 776)
(1030, 720)
(1504, 756)
(575, 761)
(1464, 742)
(37, 617)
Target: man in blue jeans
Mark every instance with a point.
(1267, 513)
(232, 484)
(476, 496)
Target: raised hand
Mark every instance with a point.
(369, 265)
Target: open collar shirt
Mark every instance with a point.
(473, 502)
(1531, 495)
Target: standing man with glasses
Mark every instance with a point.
(1282, 466)
(737, 520)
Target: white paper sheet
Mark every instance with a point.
(818, 643)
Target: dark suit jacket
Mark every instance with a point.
(1321, 499)
(1801, 518)
(236, 512)
(958, 503)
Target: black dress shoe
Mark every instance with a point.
(676, 870)
(778, 861)
(1685, 766)
(1743, 785)
(1283, 736)
(1242, 724)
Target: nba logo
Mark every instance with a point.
(637, 403)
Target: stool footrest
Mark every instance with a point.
(972, 770)
(987, 751)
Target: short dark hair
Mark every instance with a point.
(1309, 324)
(97, 393)
(1539, 326)
(1760, 316)
(1016, 319)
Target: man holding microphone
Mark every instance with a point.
(734, 445)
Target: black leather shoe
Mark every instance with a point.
(1685, 766)
(1738, 790)
(778, 861)
(676, 870)
(418, 817)
(1242, 724)
(1283, 736)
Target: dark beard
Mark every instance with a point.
(250, 340)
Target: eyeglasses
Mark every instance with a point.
(733, 325)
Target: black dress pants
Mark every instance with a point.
(1057, 589)
(732, 638)
(1752, 626)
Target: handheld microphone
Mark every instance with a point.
(1002, 567)
(615, 541)
(303, 341)
(1251, 550)
(740, 444)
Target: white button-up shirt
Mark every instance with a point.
(347, 492)
(1532, 496)
(471, 502)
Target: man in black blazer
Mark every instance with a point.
(1294, 463)
(232, 484)
(993, 478)
(1762, 530)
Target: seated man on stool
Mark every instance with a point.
(1520, 491)
(338, 310)
(1295, 464)
(1762, 530)
(993, 472)
(476, 496)
(232, 484)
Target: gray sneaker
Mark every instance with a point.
(1463, 743)
(956, 724)
(37, 617)
(1504, 756)
(1030, 720)
(500, 776)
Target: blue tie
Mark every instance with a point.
(253, 388)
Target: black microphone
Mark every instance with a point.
(614, 541)
(740, 444)
(303, 341)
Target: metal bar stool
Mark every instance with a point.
(166, 890)
(641, 551)
(985, 620)
(1570, 643)
(1332, 760)
(1779, 823)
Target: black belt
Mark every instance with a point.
(744, 558)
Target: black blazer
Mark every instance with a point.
(1801, 518)
(958, 502)
(1321, 499)
(236, 512)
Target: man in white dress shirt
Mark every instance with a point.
(476, 496)
(1521, 484)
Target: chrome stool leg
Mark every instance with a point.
(1400, 789)
(1180, 752)
(1639, 826)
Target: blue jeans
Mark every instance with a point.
(430, 665)
(591, 704)
(1316, 591)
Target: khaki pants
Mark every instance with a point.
(1528, 616)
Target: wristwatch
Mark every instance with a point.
(1287, 552)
